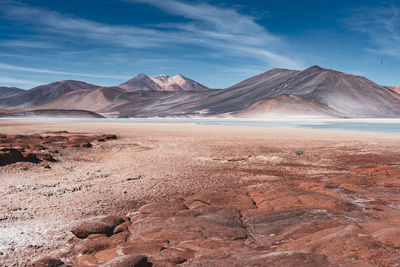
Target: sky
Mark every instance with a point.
(217, 43)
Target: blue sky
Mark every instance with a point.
(217, 43)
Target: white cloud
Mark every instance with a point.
(26, 43)
(214, 28)
(8, 80)
(46, 71)
(226, 29)
(382, 25)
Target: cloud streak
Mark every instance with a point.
(382, 25)
(25, 43)
(210, 27)
(8, 80)
(47, 71)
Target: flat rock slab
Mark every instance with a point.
(96, 225)
(336, 222)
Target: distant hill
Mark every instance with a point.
(98, 100)
(10, 91)
(54, 113)
(161, 82)
(42, 94)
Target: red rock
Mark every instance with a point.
(86, 260)
(96, 225)
(129, 261)
(85, 144)
(16, 148)
(46, 157)
(88, 246)
(389, 236)
(109, 136)
(123, 227)
(9, 156)
(94, 236)
(332, 221)
(107, 255)
(172, 256)
(138, 246)
(48, 262)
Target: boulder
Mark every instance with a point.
(129, 261)
(96, 225)
(48, 262)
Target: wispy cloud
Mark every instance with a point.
(8, 80)
(26, 43)
(210, 27)
(382, 25)
(225, 29)
(47, 71)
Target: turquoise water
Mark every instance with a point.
(381, 126)
(358, 126)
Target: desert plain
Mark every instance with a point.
(203, 195)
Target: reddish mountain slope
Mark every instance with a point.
(290, 106)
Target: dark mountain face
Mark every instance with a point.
(241, 95)
(347, 94)
(141, 82)
(53, 113)
(9, 91)
(43, 94)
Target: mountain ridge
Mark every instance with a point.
(314, 91)
(43, 93)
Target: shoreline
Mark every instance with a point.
(361, 125)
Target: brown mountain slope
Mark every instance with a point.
(43, 94)
(352, 95)
(394, 88)
(289, 106)
(98, 100)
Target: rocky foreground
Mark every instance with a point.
(196, 195)
(351, 219)
(37, 148)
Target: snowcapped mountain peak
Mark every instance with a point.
(162, 82)
(178, 76)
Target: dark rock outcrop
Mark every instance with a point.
(48, 262)
(36, 148)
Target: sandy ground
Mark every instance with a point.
(158, 161)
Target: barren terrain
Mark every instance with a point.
(338, 202)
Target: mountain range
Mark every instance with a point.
(313, 92)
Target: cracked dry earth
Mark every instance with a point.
(191, 195)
